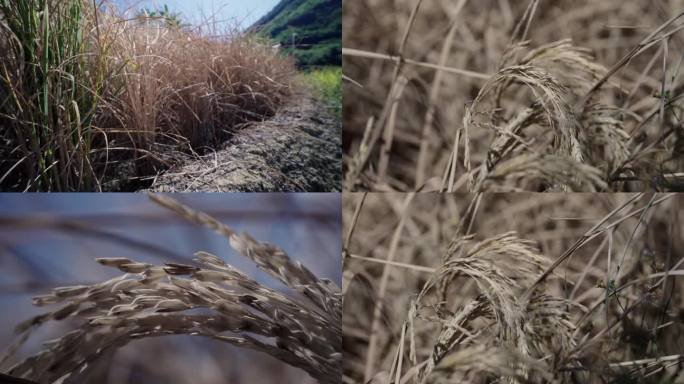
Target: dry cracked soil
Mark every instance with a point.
(299, 149)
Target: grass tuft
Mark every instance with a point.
(327, 84)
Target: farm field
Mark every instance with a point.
(95, 97)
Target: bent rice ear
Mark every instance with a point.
(302, 330)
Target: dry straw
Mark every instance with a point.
(473, 100)
(577, 293)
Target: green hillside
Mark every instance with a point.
(315, 27)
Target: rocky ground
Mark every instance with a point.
(299, 149)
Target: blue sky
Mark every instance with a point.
(245, 12)
(305, 225)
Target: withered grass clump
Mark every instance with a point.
(91, 98)
(476, 96)
(513, 288)
(210, 299)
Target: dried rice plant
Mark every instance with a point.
(211, 299)
(93, 98)
(513, 288)
(470, 87)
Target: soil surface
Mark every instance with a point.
(299, 149)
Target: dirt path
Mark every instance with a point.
(299, 149)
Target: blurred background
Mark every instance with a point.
(48, 241)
